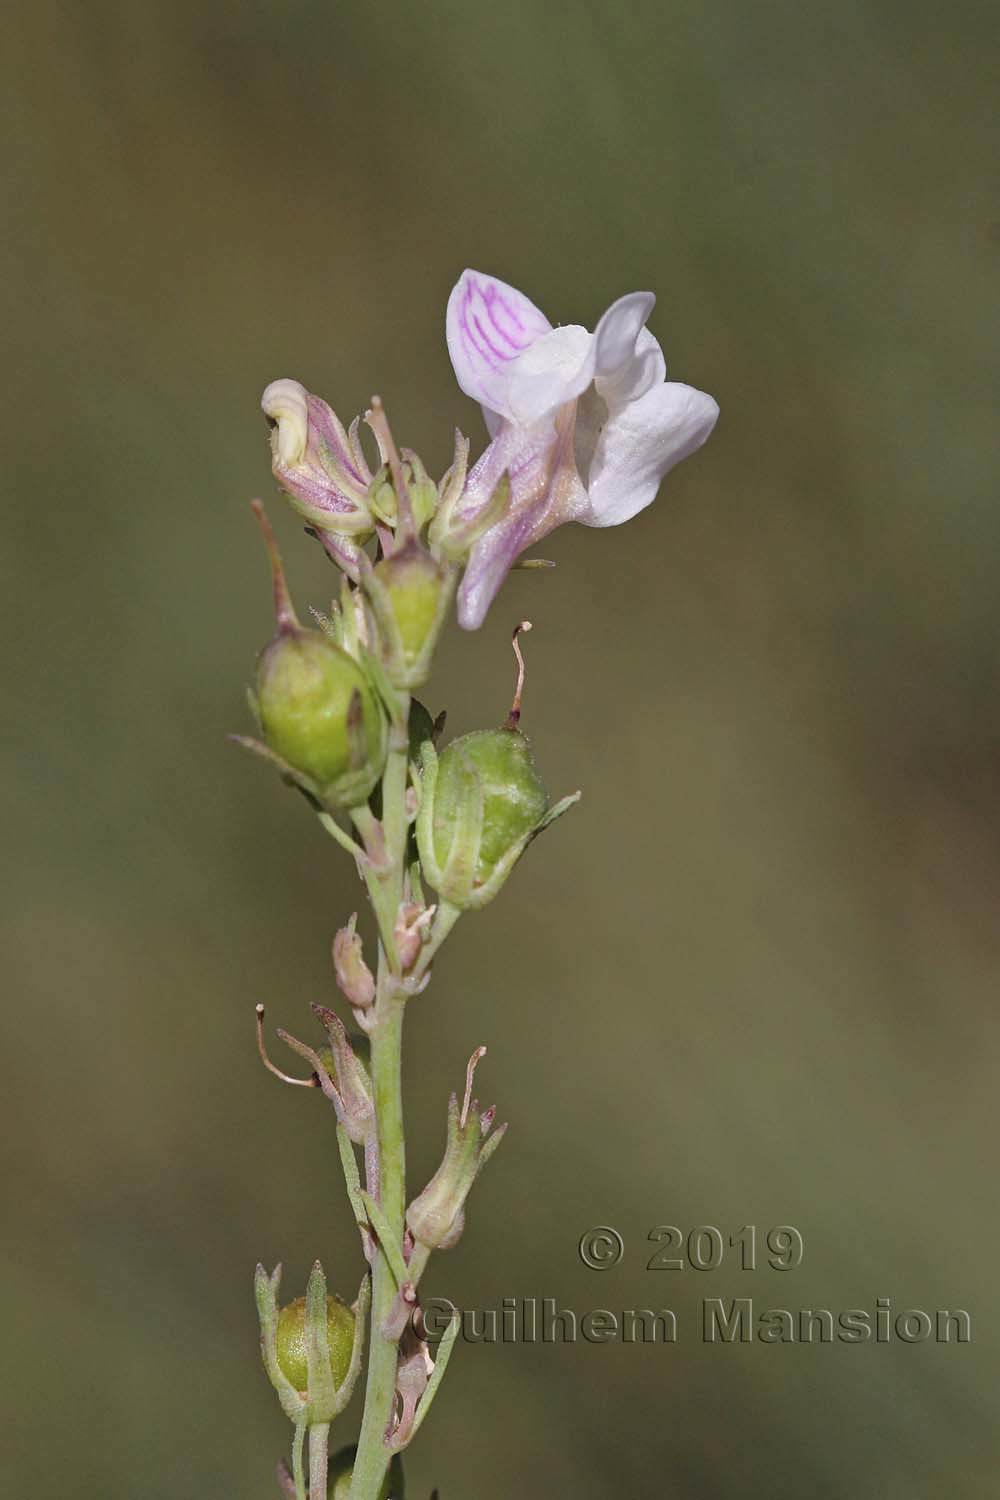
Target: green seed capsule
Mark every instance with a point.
(320, 714)
(292, 1340)
(514, 799)
(482, 802)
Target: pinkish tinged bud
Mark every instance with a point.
(411, 925)
(350, 1092)
(321, 468)
(414, 1368)
(437, 1216)
(354, 978)
(341, 1074)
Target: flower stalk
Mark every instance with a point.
(374, 1455)
(583, 427)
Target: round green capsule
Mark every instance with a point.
(482, 802)
(291, 1341)
(514, 798)
(321, 715)
(319, 712)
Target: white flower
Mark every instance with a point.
(584, 424)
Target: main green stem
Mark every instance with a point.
(386, 891)
(380, 1391)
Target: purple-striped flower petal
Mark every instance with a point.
(488, 325)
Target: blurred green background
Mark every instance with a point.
(753, 978)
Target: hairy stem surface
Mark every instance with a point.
(319, 1441)
(386, 890)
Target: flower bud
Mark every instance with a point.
(341, 1472)
(458, 524)
(353, 975)
(341, 1073)
(320, 467)
(321, 718)
(292, 1356)
(423, 490)
(420, 488)
(458, 534)
(408, 932)
(347, 1065)
(409, 593)
(414, 1368)
(437, 1216)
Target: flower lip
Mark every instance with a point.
(617, 334)
(638, 445)
(555, 369)
(285, 405)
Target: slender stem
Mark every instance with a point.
(319, 1449)
(298, 1471)
(345, 841)
(371, 1167)
(380, 1392)
(387, 1238)
(385, 842)
(379, 875)
(394, 819)
(385, 886)
(418, 1262)
(447, 916)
